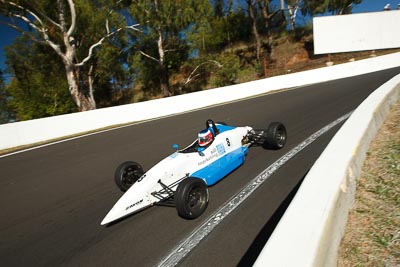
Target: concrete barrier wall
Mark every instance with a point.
(356, 32)
(310, 231)
(39, 130)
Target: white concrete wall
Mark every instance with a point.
(33, 131)
(310, 231)
(356, 32)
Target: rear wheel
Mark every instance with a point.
(127, 174)
(276, 136)
(191, 198)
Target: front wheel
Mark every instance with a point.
(276, 136)
(127, 174)
(191, 198)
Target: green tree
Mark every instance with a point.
(215, 33)
(219, 8)
(264, 17)
(164, 26)
(37, 88)
(253, 18)
(74, 30)
(335, 7)
(341, 7)
(313, 7)
(227, 74)
(5, 113)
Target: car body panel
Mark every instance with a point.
(226, 153)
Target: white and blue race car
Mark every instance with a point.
(181, 179)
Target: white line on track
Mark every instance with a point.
(50, 143)
(191, 241)
(80, 135)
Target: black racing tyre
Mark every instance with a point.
(191, 198)
(127, 174)
(276, 136)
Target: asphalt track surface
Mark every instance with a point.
(52, 199)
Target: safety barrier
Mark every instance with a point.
(40, 130)
(310, 231)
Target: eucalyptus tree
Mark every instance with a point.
(165, 23)
(341, 7)
(293, 8)
(226, 25)
(313, 7)
(5, 114)
(335, 7)
(252, 16)
(74, 30)
(37, 86)
(262, 10)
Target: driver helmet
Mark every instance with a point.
(205, 137)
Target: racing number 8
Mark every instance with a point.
(228, 142)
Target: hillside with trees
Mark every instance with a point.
(79, 55)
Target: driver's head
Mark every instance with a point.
(205, 137)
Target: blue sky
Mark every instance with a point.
(7, 34)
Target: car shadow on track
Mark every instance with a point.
(261, 239)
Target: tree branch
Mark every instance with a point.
(42, 30)
(37, 11)
(73, 18)
(90, 54)
(190, 78)
(148, 56)
(24, 18)
(18, 29)
(24, 10)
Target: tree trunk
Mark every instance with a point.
(164, 81)
(91, 89)
(293, 12)
(266, 17)
(41, 23)
(255, 31)
(83, 102)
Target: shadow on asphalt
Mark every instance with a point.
(259, 242)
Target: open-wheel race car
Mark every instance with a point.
(181, 179)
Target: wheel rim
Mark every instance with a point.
(196, 199)
(280, 136)
(130, 175)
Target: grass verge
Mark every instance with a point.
(372, 235)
